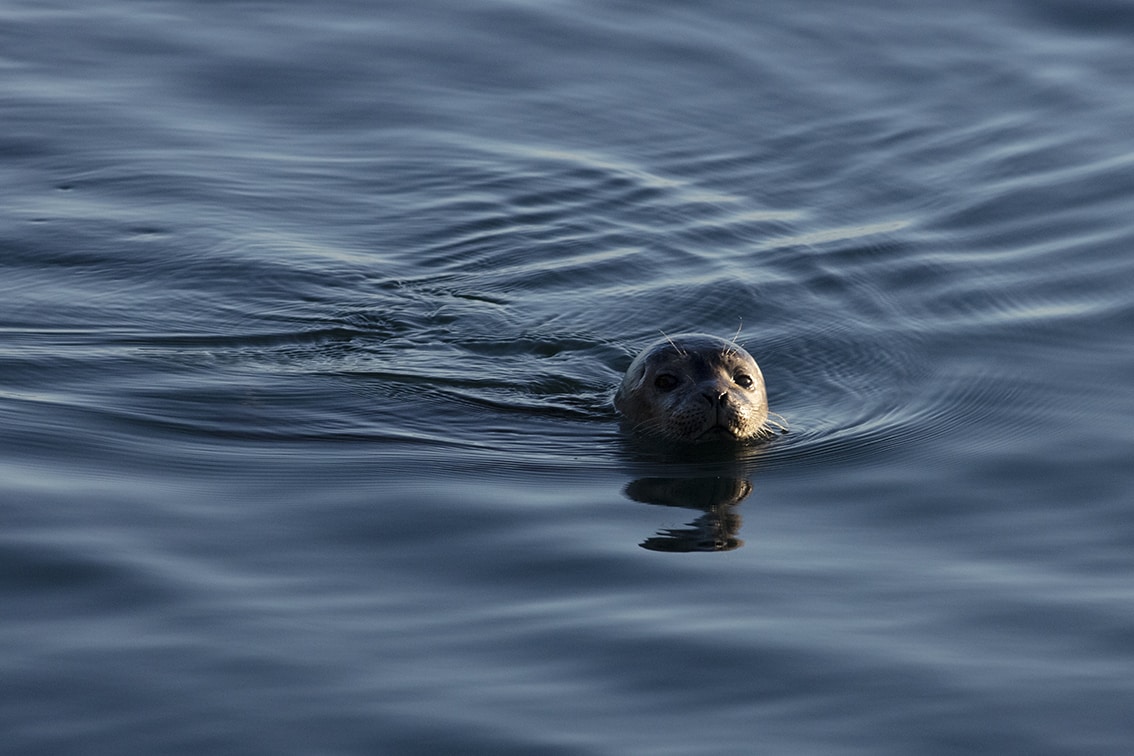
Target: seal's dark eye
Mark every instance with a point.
(666, 382)
(744, 380)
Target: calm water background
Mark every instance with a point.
(310, 314)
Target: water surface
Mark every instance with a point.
(311, 316)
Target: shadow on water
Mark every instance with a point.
(710, 479)
(715, 530)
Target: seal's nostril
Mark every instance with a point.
(715, 396)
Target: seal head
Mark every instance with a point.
(694, 387)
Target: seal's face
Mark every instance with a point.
(694, 388)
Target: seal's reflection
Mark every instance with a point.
(717, 497)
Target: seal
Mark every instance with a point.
(694, 387)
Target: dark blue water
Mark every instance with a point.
(310, 315)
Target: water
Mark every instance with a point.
(311, 315)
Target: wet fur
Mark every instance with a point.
(707, 402)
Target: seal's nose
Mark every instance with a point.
(715, 392)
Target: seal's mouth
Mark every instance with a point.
(717, 433)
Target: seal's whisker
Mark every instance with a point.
(672, 343)
(657, 427)
(780, 422)
(650, 425)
